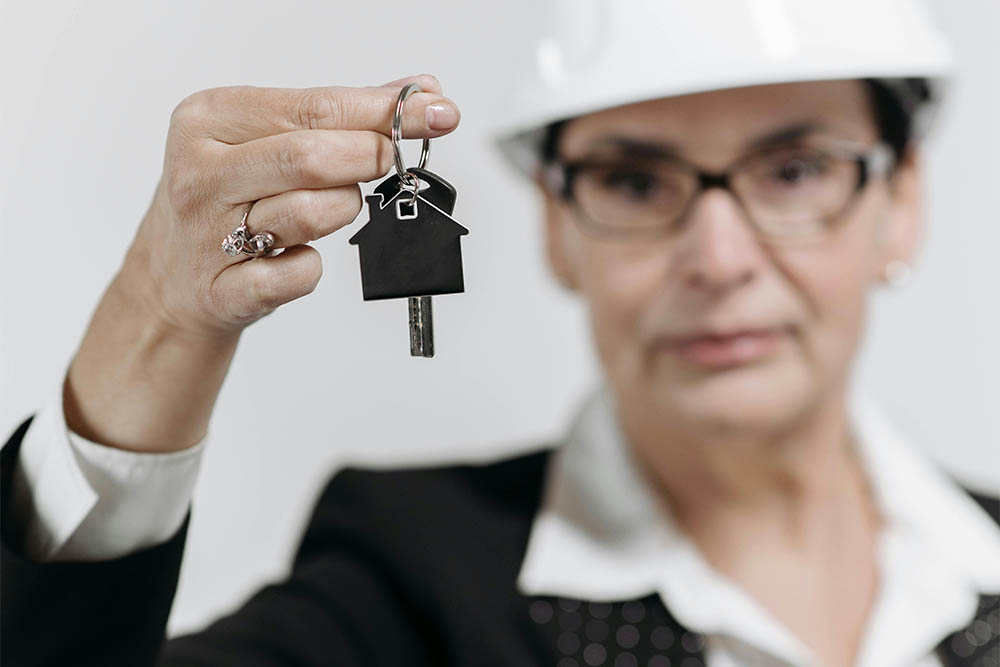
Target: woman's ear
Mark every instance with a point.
(901, 229)
(556, 251)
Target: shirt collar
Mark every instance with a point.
(600, 535)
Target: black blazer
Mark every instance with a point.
(396, 567)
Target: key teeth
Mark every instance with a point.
(421, 327)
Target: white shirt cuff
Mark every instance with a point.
(80, 500)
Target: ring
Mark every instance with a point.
(405, 177)
(239, 240)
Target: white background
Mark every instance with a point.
(86, 90)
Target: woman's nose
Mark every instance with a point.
(716, 247)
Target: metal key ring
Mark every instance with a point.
(397, 133)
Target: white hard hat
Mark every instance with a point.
(590, 55)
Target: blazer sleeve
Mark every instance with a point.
(342, 604)
(109, 612)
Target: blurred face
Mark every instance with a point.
(712, 326)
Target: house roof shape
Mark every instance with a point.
(377, 203)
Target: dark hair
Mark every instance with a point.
(892, 109)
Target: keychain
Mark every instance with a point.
(411, 247)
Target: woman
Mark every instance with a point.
(724, 500)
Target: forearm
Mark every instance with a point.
(139, 383)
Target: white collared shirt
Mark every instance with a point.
(599, 535)
(80, 500)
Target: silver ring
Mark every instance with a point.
(411, 180)
(397, 133)
(239, 240)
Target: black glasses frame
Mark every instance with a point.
(560, 175)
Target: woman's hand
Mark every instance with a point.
(299, 154)
(152, 362)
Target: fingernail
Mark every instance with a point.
(442, 115)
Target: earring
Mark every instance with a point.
(898, 273)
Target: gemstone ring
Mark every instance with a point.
(239, 240)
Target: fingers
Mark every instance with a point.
(428, 83)
(237, 114)
(301, 159)
(299, 154)
(251, 289)
(301, 216)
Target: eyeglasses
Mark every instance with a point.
(788, 193)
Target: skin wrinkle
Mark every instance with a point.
(753, 461)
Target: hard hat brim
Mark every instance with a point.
(522, 147)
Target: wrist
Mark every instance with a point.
(139, 381)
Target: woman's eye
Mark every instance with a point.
(631, 182)
(795, 170)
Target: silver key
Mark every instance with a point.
(421, 327)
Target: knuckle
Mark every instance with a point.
(185, 111)
(312, 165)
(286, 159)
(298, 158)
(204, 103)
(319, 108)
(192, 108)
(278, 219)
(309, 212)
(271, 286)
(265, 287)
(186, 191)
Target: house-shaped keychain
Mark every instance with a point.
(410, 247)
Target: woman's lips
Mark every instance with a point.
(739, 348)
